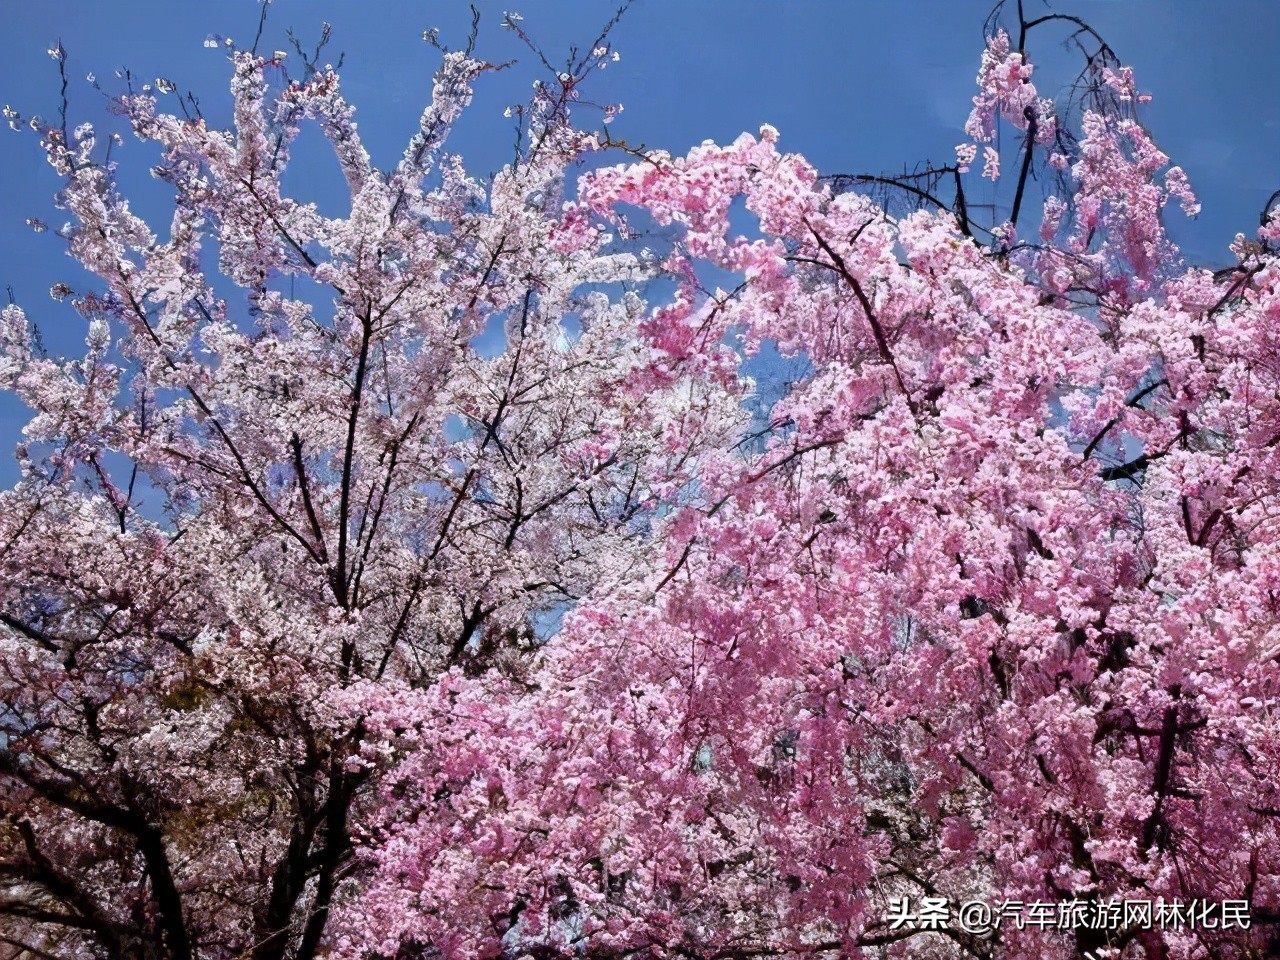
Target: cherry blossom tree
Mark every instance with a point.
(988, 612)
(242, 501)
(982, 608)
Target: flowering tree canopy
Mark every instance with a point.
(983, 607)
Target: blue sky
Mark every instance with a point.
(855, 85)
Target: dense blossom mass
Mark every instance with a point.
(406, 584)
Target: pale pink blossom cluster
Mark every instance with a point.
(1005, 93)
